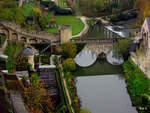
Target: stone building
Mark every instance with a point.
(145, 33)
(29, 54)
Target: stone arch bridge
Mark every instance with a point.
(98, 45)
(14, 32)
(98, 48)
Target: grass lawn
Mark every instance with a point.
(76, 24)
(51, 30)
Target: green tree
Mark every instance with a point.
(27, 10)
(43, 22)
(19, 17)
(122, 47)
(7, 14)
(69, 50)
(69, 64)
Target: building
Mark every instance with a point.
(145, 33)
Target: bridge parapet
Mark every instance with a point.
(96, 40)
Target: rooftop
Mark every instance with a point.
(28, 52)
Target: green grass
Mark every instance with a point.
(51, 30)
(75, 23)
(138, 86)
(103, 68)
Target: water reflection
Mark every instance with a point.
(114, 59)
(85, 58)
(104, 94)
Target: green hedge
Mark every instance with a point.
(138, 86)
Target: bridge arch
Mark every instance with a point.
(102, 55)
(6, 32)
(31, 40)
(14, 36)
(23, 39)
(99, 48)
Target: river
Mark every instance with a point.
(104, 94)
(101, 87)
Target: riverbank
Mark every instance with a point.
(138, 86)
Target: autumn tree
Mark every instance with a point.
(69, 50)
(37, 14)
(36, 96)
(69, 65)
(143, 6)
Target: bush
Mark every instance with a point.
(69, 65)
(138, 86)
(69, 50)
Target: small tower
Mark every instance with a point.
(65, 33)
(29, 54)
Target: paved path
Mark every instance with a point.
(17, 102)
(86, 27)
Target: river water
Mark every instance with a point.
(104, 94)
(101, 87)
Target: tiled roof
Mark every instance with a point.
(28, 51)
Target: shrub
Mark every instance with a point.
(69, 64)
(69, 50)
(138, 86)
